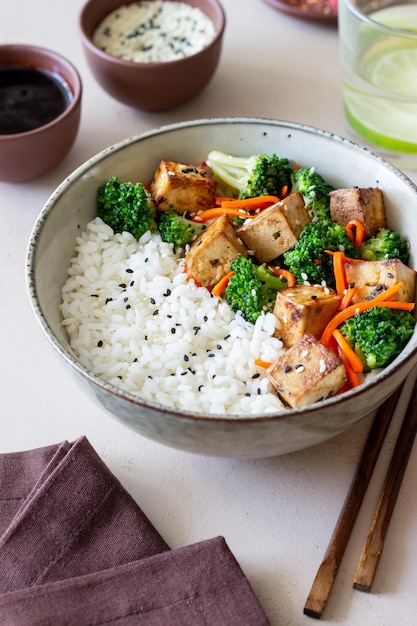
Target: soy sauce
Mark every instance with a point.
(30, 98)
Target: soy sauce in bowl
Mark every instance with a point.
(30, 98)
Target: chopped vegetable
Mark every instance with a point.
(247, 177)
(177, 229)
(126, 207)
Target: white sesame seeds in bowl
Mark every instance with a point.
(153, 54)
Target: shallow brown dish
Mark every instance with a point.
(313, 10)
(27, 155)
(74, 204)
(151, 86)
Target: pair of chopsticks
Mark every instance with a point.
(372, 549)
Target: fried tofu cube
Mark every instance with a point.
(371, 277)
(304, 309)
(306, 373)
(363, 204)
(183, 187)
(275, 229)
(211, 254)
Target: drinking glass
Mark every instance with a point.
(378, 42)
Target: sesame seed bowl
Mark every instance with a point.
(153, 55)
(261, 433)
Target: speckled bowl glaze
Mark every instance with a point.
(73, 205)
(151, 86)
(28, 155)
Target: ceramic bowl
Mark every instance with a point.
(73, 205)
(32, 153)
(151, 86)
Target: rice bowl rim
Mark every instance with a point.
(407, 356)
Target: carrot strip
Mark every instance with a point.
(286, 274)
(261, 363)
(389, 293)
(222, 284)
(353, 377)
(350, 354)
(220, 199)
(211, 214)
(284, 192)
(348, 297)
(353, 309)
(339, 272)
(356, 232)
(249, 203)
(346, 259)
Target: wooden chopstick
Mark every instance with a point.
(374, 543)
(326, 574)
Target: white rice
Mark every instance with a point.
(134, 319)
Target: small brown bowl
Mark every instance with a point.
(154, 86)
(27, 154)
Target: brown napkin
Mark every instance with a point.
(201, 584)
(76, 518)
(76, 549)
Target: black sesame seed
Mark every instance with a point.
(210, 355)
(128, 306)
(125, 299)
(152, 300)
(313, 297)
(99, 343)
(122, 285)
(186, 357)
(298, 366)
(155, 312)
(200, 387)
(196, 329)
(132, 282)
(94, 295)
(173, 331)
(205, 318)
(108, 300)
(287, 369)
(256, 376)
(258, 391)
(247, 394)
(129, 270)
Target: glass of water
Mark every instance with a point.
(378, 40)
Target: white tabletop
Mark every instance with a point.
(276, 514)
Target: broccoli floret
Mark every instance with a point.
(248, 177)
(252, 289)
(308, 259)
(126, 207)
(378, 335)
(386, 244)
(177, 229)
(315, 191)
